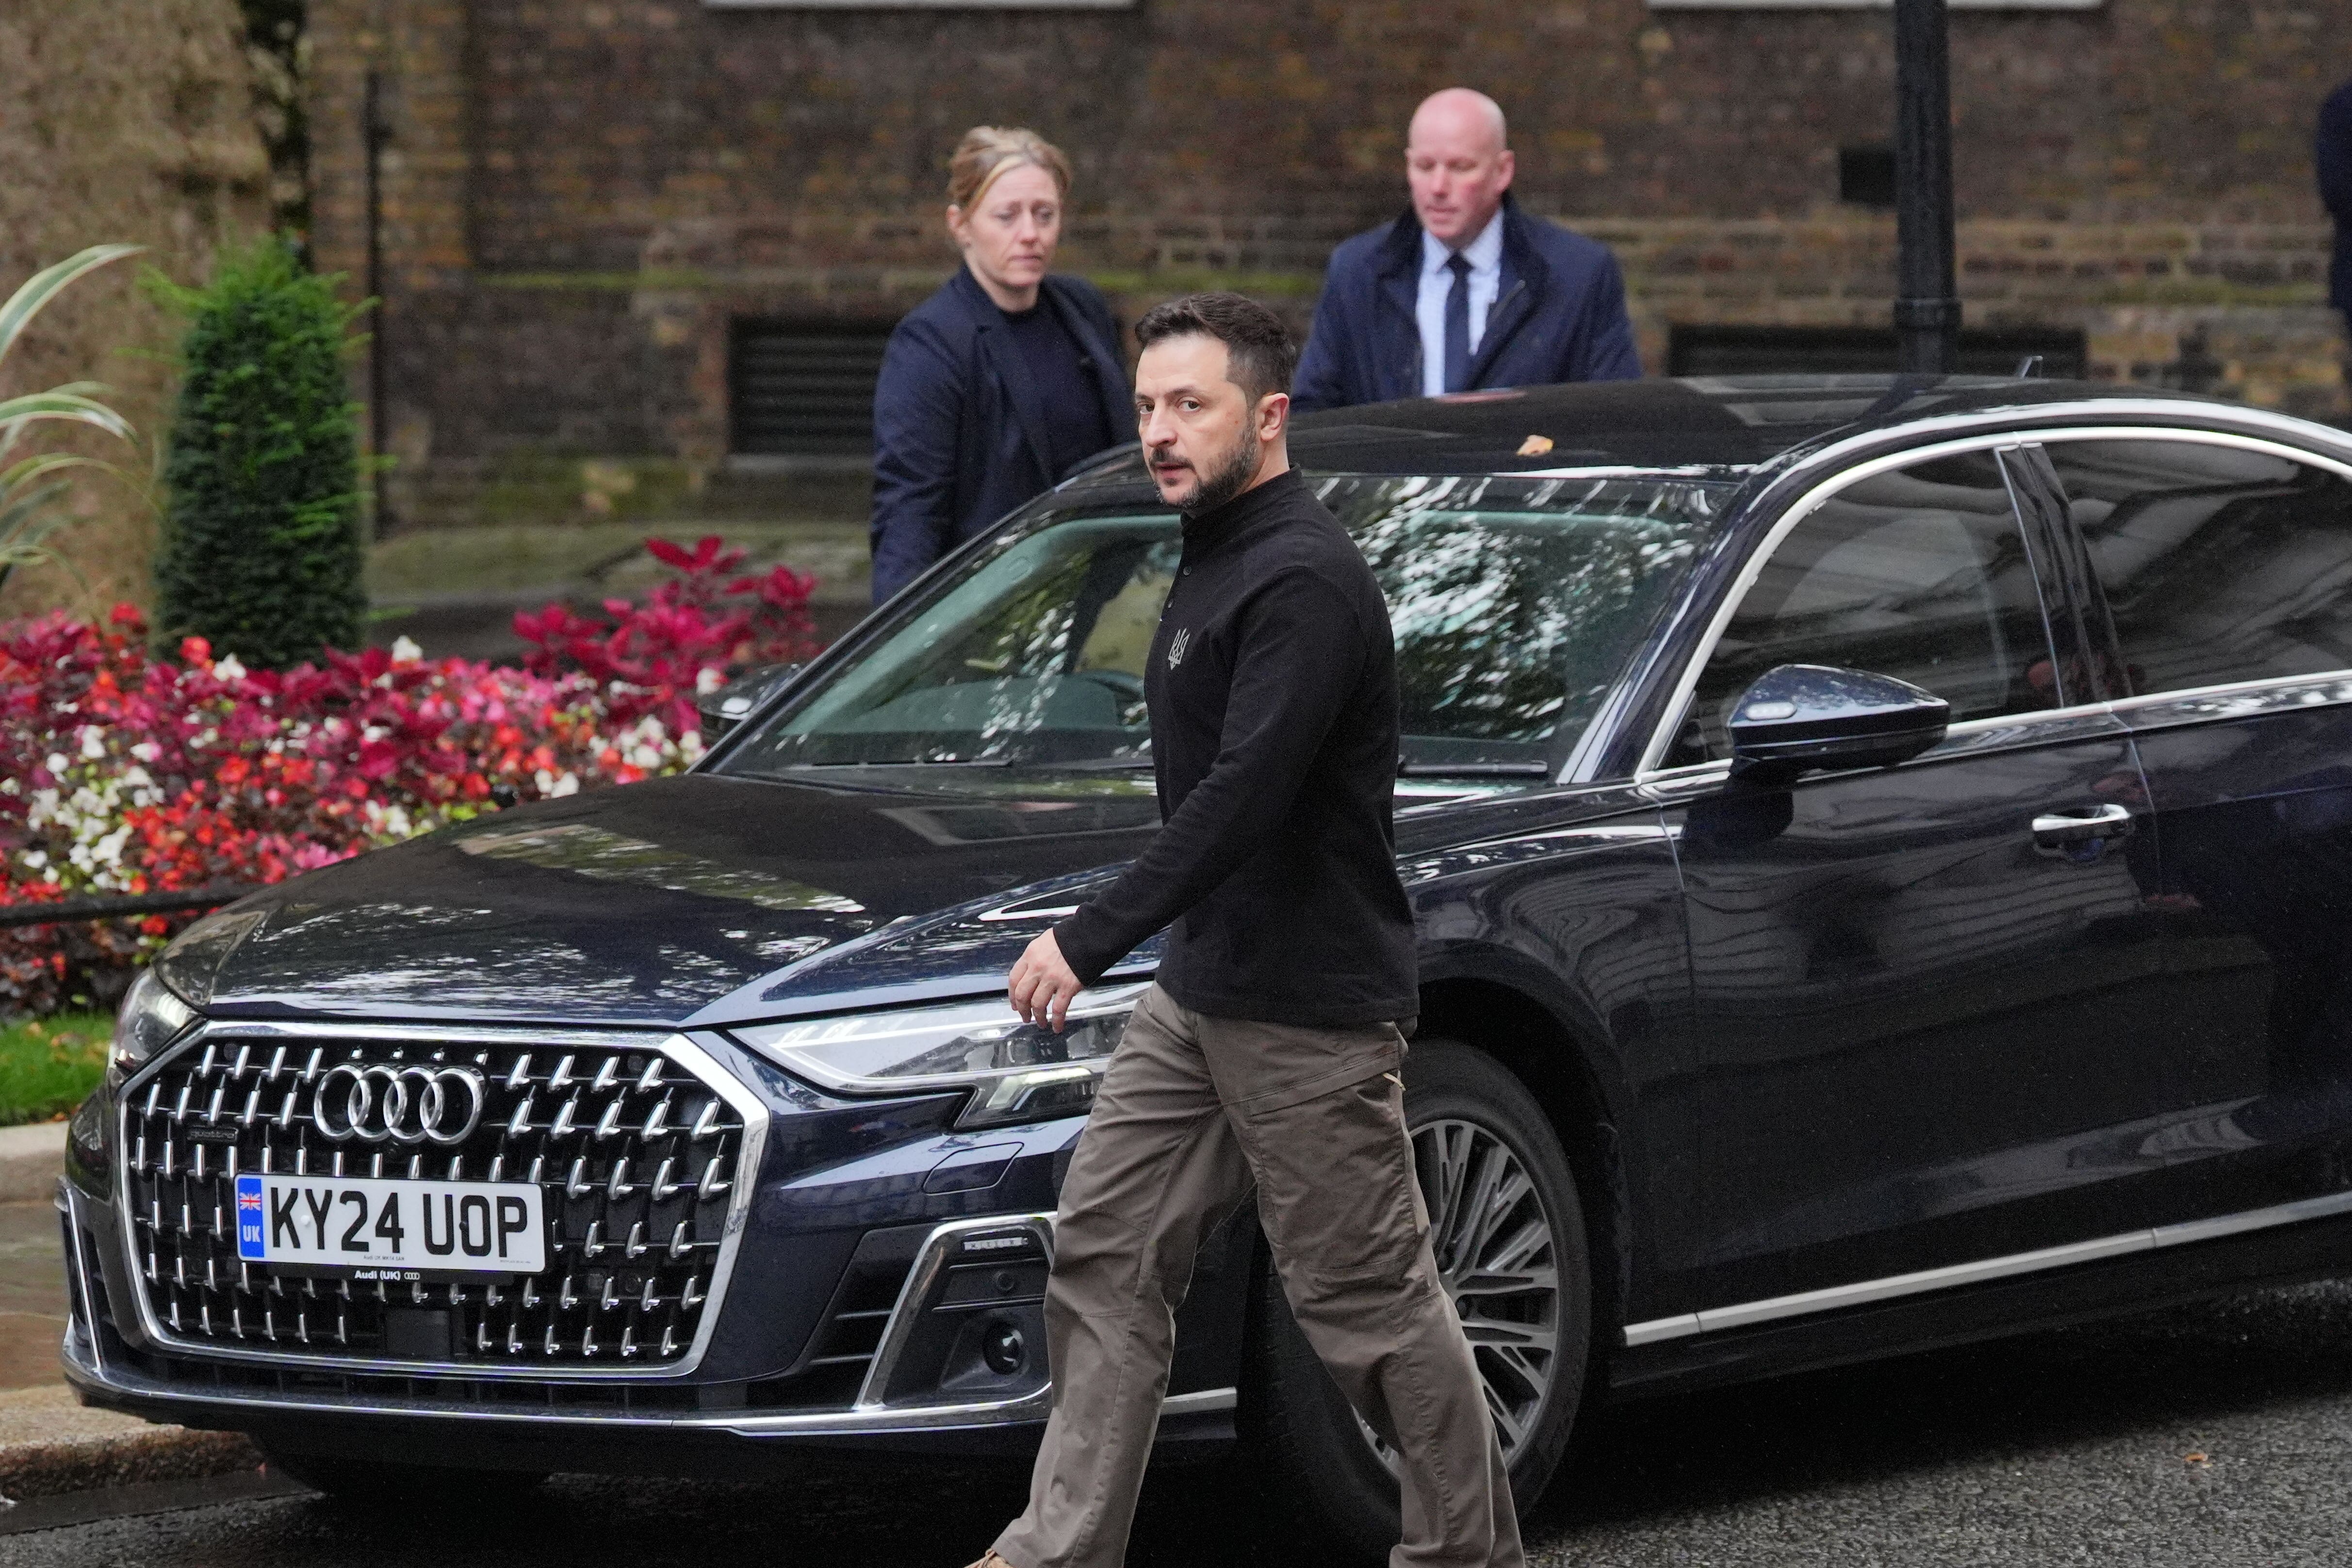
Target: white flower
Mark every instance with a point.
(707, 679)
(109, 849)
(226, 668)
(404, 651)
(147, 751)
(57, 762)
(93, 743)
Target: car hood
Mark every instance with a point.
(706, 900)
(651, 904)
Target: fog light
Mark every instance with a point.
(1002, 1348)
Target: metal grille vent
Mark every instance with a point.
(636, 1158)
(801, 390)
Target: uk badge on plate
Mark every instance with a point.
(248, 1218)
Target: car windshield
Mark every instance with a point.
(1516, 601)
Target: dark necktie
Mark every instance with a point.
(1457, 325)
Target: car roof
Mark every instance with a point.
(1729, 425)
(1726, 422)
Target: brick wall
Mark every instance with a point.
(129, 121)
(580, 194)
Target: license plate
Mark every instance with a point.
(391, 1229)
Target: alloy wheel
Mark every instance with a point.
(1493, 1241)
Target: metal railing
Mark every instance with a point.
(68, 911)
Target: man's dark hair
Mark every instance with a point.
(1260, 355)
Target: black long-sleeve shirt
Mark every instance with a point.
(1272, 688)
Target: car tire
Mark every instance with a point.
(375, 1484)
(1312, 1459)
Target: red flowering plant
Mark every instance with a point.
(122, 772)
(708, 619)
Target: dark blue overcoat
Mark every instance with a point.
(1559, 316)
(2335, 165)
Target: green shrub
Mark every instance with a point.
(262, 554)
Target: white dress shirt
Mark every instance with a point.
(1485, 254)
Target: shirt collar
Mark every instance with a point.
(1205, 529)
(1483, 253)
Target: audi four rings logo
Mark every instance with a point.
(410, 1104)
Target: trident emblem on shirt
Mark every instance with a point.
(1176, 648)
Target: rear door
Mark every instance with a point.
(1925, 1005)
(2221, 574)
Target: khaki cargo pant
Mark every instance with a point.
(1195, 1109)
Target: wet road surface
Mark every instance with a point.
(2218, 1433)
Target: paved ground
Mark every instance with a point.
(2217, 1435)
(32, 1295)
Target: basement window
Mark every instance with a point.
(1866, 175)
(803, 389)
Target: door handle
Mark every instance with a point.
(2059, 831)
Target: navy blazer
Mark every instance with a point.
(1559, 315)
(959, 426)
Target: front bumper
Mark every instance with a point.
(581, 1436)
(880, 1265)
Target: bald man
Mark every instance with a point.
(1464, 291)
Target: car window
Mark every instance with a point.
(1920, 573)
(2218, 565)
(1516, 603)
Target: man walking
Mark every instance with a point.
(1266, 1053)
(1464, 291)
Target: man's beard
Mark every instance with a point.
(1229, 478)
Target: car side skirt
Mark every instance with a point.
(2289, 1244)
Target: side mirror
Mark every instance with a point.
(1801, 717)
(724, 708)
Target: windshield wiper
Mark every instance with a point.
(1406, 770)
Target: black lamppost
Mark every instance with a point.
(1927, 295)
(376, 130)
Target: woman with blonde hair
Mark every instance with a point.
(999, 385)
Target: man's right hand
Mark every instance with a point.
(1043, 984)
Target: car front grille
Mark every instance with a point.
(638, 1159)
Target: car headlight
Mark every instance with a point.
(151, 1018)
(192, 963)
(1019, 1072)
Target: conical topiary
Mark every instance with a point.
(262, 554)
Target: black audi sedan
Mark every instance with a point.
(1882, 851)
